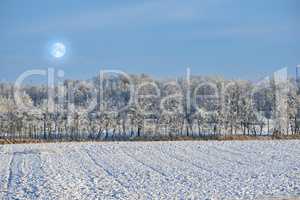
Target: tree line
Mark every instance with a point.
(115, 107)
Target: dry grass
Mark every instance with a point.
(214, 137)
(165, 138)
(19, 141)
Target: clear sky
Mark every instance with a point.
(233, 38)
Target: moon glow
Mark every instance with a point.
(58, 50)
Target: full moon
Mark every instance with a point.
(58, 50)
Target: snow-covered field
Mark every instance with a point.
(151, 170)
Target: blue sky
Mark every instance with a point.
(232, 38)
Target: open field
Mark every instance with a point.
(151, 170)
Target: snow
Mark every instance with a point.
(151, 170)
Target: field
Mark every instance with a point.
(151, 170)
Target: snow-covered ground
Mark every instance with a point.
(151, 170)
